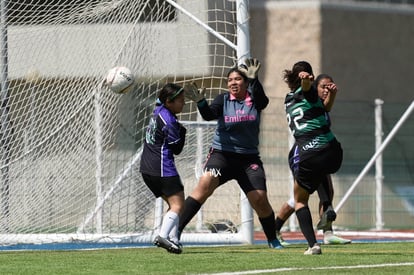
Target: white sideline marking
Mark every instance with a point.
(308, 268)
(377, 234)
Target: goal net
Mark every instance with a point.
(70, 148)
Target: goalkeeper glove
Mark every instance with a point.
(192, 92)
(251, 68)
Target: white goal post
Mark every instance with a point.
(70, 148)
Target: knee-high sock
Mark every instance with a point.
(279, 223)
(170, 219)
(191, 207)
(305, 223)
(269, 227)
(174, 232)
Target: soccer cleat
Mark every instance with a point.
(275, 244)
(314, 250)
(179, 245)
(330, 238)
(168, 245)
(281, 240)
(326, 220)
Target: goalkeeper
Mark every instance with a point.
(234, 150)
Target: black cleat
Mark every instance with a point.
(326, 220)
(168, 245)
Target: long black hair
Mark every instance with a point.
(170, 91)
(291, 77)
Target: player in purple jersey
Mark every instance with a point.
(165, 137)
(234, 151)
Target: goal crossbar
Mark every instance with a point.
(201, 23)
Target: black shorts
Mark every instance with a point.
(247, 170)
(166, 186)
(312, 171)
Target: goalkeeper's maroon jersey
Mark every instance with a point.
(164, 137)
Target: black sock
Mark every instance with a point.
(305, 223)
(191, 207)
(279, 223)
(325, 205)
(268, 225)
(328, 229)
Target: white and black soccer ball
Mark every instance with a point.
(120, 80)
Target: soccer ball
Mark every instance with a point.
(120, 80)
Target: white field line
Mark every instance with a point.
(263, 271)
(389, 234)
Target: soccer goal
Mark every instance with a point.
(70, 148)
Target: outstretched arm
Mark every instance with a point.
(306, 81)
(259, 96)
(251, 69)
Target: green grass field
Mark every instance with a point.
(357, 258)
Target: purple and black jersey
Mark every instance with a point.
(164, 138)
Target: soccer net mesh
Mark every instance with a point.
(70, 148)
